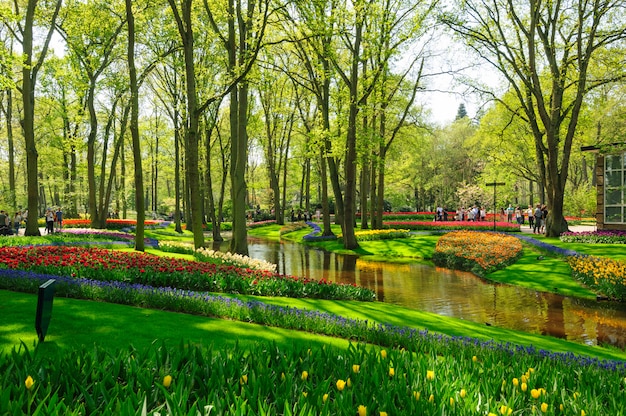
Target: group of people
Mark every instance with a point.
(54, 219)
(11, 224)
(474, 213)
(536, 216)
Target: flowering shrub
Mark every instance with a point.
(464, 379)
(595, 237)
(604, 275)
(453, 225)
(106, 265)
(480, 253)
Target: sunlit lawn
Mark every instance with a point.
(83, 323)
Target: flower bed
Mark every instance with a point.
(480, 253)
(595, 237)
(453, 225)
(376, 235)
(257, 224)
(106, 265)
(112, 224)
(604, 275)
(435, 375)
(314, 235)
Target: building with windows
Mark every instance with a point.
(611, 186)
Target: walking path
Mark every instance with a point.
(527, 232)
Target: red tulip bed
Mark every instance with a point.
(145, 269)
(112, 224)
(453, 225)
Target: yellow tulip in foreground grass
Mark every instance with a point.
(263, 379)
(29, 382)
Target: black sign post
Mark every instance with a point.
(495, 185)
(44, 308)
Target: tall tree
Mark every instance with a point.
(31, 65)
(134, 128)
(544, 50)
(94, 52)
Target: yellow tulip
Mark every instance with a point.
(383, 353)
(515, 382)
(430, 375)
(431, 398)
(451, 401)
(582, 413)
(561, 407)
(349, 382)
(383, 413)
(341, 385)
(325, 397)
(474, 358)
(392, 372)
(463, 393)
(29, 382)
(504, 410)
(244, 379)
(167, 381)
(305, 375)
(304, 393)
(282, 376)
(544, 407)
(535, 393)
(524, 386)
(362, 410)
(356, 368)
(416, 395)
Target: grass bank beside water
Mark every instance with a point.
(102, 358)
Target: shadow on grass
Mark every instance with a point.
(85, 323)
(376, 312)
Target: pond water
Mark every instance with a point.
(455, 294)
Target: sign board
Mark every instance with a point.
(44, 308)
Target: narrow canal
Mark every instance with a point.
(455, 294)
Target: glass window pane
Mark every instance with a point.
(613, 196)
(614, 215)
(613, 162)
(613, 179)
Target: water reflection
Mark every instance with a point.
(455, 294)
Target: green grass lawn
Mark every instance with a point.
(83, 322)
(77, 323)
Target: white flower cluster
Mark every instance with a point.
(238, 260)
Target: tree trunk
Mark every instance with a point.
(134, 130)
(11, 148)
(239, 156)
(28, 125)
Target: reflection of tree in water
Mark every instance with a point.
(454, 294)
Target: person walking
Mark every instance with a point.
(531, 217)
(17, 219)
(58, 219)
(538, 220)
(49, 221)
